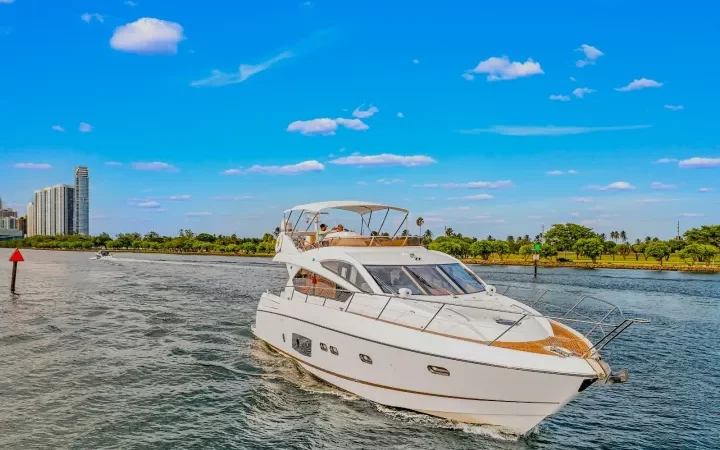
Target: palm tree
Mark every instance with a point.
(449, 232)
(614, 235)
(623, 236)
(276, 232)
(419, 222)
(405, 233)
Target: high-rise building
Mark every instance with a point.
(49, 211)
(30, 219)
(21, 224)
(82, 200)
(64, 201)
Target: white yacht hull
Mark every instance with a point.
(487, 385)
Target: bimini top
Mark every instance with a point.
(347, 205)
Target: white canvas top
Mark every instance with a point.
(347, 205)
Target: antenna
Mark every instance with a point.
(678, 230)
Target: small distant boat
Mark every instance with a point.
(102, 254)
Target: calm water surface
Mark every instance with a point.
(155, 351)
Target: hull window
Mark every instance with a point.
(323, 347)
(334, 351)
(301, 344)
(439, 371)
(365, 358)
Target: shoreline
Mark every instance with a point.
(697, 268)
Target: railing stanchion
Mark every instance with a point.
(538, 299)
(347, 308)
(574, 306)
(508, 329)
(601, 322)
(433, 317)
(383, 309)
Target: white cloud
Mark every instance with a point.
(698, 162)
(416, 61)
(580, 92)
(58, 128)
(665, 161)
(572, 79)
(642, 83)
(87, 17)
(555, 172)
(583, 199)
(234, 198)
(560, 98)
(616, 186)
(198, 214)
(113, 164)
(361, 183)
(364, 114)
(325, 126)
(658, 186)
(153, 210)
(572, 172)
(389, 181)
(400, 115)
(468, 76)
(290, 169)
(148, 36)
(503, 69)
(35, 166)
(6, 1)
(705, 189)
(85, 127)
(548, 130)
(575, 214)
(692, 215)
(474, 197)
(384, 159)
(130, 3)
(147, 204)
(155, 166)
(180, 197)
(591, 54)
(470, 185)
(675, 107)
(647, 201)
(219, 78)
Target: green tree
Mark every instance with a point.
(589, 247)
(548, 251)
(639, 249)
(699, 252)
(526, 250)
(419, 222)
(204, 237)
(502, 248)
(449, 232)
(657, 250)
(706, 234)
(624, 250)
(482, 249)
(564, 236)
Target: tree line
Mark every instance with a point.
(698, 245)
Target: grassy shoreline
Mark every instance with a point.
(543, 263)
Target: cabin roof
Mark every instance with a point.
(355, 206)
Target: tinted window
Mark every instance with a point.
(463, 278)
(393, 278)
(433, 280)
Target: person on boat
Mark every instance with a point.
(322, 232)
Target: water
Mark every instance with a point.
(155, 351)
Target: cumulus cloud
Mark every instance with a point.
(198, 214)
(548, 130)
(33, 166)
(325, 126)
(698, 162)
(666, 161)
(364, 114)
(384, 159)
(658, 186)
(583, 199)
(642, 83)
(148, 36)
(648, 201)
(555, 172)
(492, 185)
(147, 204)
(130, 3)
(219, 78)
(85, 127)
(58, 128)
(616, 186)
(705, 189)
(389, 181)
(591, 55)
(580, 92)
(290, 169)
(416, 61)
(560, 98)
(468, 76)
(675, 107)
(113, 164)
(692, 215)
(87, 17)
(154, 166)
(474, 197)
(180, 197)
(501, 68)
(572, 172)
(400, 115)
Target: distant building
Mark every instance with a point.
(64, 201)
(21, 224)
(8, 223)
(31, 219)
(82, 201)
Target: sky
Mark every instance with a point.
(493, 118)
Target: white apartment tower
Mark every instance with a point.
(31, 219)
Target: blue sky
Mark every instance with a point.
(216, 117)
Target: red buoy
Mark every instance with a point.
(16, 256)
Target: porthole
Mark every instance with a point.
(439, 371)
(323, 347)
(365, 358)
(283, 337)
(334, 351)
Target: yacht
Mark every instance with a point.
(386, 319)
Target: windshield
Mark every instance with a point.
(442, 279)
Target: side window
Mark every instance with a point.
(348, 272)
(312, 284)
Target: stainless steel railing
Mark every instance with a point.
(575, 315)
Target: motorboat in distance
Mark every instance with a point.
(102, 254)
(384, 318)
